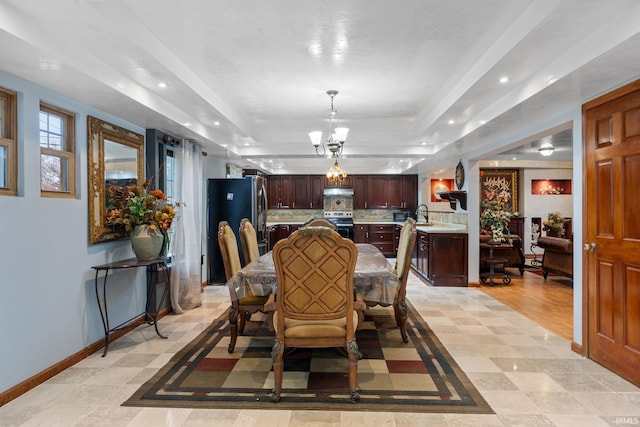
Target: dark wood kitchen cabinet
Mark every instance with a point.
(307, 191)
(316, 184)
(359, 191)
(403, 192)
(377, 192)
(361, 233)
(448, 259)
(279, 191)
(385, 191)
(441, 258)
(382, 236)
(295, 191)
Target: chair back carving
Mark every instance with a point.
(249, 241)
(315, 268)
(229, 249)
(320, 222)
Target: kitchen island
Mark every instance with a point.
(441, 254)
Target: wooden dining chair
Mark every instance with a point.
(248, 241)
(315, 304)
(241, 308)
(402, 269)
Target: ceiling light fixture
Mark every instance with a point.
(546, 149)
(337, 137)
(336, 174)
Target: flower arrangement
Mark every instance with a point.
(494, 219)
(128, 206)
(554, 223)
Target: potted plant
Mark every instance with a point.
(143, 215)
(554, 224)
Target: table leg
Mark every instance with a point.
(104, 315)
(151, 313)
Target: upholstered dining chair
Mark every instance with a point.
(249, 241)
(315, 304)
(319, 222)
(241, 308)
(402, 269)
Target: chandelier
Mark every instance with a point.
(337, 136)
(336, 174)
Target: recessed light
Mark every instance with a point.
(451, 121)
(246, 144)
(216, 123)
(187, 124)
(423, 143)
(504, 79)
(162, 85)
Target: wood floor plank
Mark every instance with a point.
(547, 302)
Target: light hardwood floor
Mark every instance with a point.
(547, 302)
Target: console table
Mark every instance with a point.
(492, 256)
(151, 313)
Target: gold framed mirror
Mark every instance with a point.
(115, 156)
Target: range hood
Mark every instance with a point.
(344, 192)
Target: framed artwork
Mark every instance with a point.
(499, 186)
(438, 186)
(550, 186)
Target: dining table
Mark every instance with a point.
(374, 277)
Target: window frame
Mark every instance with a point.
(9, 140)
(68, 152)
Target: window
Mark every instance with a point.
(8, 143)
(57, 152)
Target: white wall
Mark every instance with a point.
(49, 309)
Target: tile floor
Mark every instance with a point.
(528, 375)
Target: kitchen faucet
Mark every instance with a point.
(425, 213)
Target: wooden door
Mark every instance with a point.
(612, 230)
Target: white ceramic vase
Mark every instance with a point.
(146, 242)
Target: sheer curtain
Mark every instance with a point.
(186, 271)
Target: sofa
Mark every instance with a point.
(557, 257)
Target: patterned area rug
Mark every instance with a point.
(416, 377)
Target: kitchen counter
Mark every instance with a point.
(436, 227)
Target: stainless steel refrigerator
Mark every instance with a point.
(231, 200)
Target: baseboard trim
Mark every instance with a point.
(577, 348)
(42, 376)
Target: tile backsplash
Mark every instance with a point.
(369, 215)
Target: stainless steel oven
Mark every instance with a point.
(343, 221)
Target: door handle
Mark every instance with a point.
(589, 246)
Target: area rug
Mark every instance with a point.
(416, 377)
